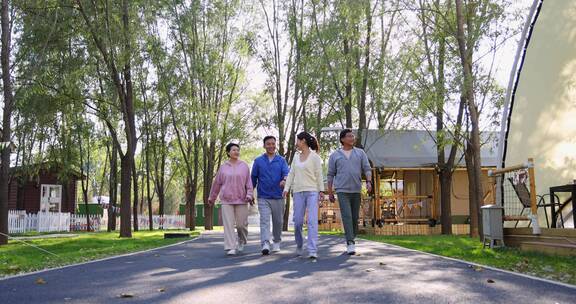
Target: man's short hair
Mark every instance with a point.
(267, 138)
(343, 133)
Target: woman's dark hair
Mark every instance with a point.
(343, 134)
(229, 147)
(310, 140)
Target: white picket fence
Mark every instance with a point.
(78, 222)
(21, 222)
(158, 222)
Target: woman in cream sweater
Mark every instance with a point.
(307, 185)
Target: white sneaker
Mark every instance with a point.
(351, 249)
(276, 247)
(240, 248)
(231, 252)
(299, 251)
(312, 255)
(266, 248)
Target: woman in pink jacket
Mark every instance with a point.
(234, 187)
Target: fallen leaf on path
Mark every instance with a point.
(478, 268)
(548, 268)
(382, 264)
(490, 281)
(156, 255)
(67, 299)
(161, 289)
(40, 281)
(126, 295)
(370, 270)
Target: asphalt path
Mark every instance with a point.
(198, 271)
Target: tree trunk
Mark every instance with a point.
(6, 122)
(446, 200)
(85, 196)
(113, 189)
(476, 192)
(135, 204)
(348, 88)
(472, 202)
(148, 191)
(125, 189)
(208, 177)
(84, 183)
(365, 74)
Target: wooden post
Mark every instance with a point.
(435, 195)
(376, 191)
(533, 206)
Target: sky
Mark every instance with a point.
(504, 56)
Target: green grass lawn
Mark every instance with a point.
(558, 268)
(18, 258)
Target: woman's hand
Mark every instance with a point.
(331, 197)
(284, 194)
(211, 202)
(321, 196)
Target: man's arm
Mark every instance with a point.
(254, 174)
(367, 171)
(330, 177)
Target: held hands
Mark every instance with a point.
(331, 197)
(284, 194)
(211, 202)
(282, 184)
(321, 196)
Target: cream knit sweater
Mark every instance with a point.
(307, 175)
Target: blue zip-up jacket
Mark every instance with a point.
(267, 175)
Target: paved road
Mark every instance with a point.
(199, 272)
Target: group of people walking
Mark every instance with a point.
(274, 180)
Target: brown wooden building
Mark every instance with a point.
(40, 189)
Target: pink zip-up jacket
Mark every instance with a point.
(232, 183)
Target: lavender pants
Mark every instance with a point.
(306, 201)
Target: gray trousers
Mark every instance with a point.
(350, 209)
(271, 208)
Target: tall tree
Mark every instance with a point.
(6, 118)
(98, 19)
(465, 48)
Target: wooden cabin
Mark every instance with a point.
(39, 188)
(408, 187)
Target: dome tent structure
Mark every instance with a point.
(539, 118)
(539, 122)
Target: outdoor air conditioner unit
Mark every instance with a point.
(492, 225)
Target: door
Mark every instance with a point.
(51, 198)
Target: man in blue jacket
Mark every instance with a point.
(269, 174)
